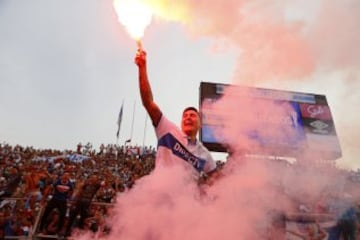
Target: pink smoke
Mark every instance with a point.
(273, 46)
(334, 35)
(168, 204)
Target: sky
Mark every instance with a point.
(67, 66)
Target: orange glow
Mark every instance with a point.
(134, 15)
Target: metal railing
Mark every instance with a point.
(33, 234)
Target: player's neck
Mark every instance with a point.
(192, 139)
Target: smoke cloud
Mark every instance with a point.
(169, 205)
(252, 192)
(271, 43)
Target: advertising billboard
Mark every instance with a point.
(284, 123)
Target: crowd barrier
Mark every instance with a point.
(32, 234)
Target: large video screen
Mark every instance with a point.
(279, 122)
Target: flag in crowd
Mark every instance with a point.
(119, 120)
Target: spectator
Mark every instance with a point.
(62, 190)
(106, 192)
(32, 184)
(78, 150)
(348, 224)
(83, 200)
(13, 180)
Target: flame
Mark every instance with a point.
(134, 15)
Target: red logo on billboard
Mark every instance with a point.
(315, 111)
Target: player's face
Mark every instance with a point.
(190, 122)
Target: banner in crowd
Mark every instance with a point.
(76, 157)
(72, 157)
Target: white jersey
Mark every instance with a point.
(173, 146)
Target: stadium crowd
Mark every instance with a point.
(28, 175)
(35, 183)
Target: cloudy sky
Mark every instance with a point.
(67, 66)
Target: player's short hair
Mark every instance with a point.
(192, 109)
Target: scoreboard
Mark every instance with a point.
(259, 120)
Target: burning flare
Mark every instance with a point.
(134, 15)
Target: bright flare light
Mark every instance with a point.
(134, 15)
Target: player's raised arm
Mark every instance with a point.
(145, 89)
